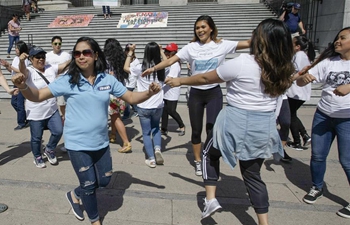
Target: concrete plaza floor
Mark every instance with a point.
(167, 195)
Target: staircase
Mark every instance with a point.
(234, 22)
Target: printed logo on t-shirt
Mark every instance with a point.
(104, 88)
(206, 65)
(335, 79)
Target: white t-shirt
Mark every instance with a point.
(244, 87)
(15, 64)
(172, 94)
(131, 81)
(45, 109)
(333, 72)
(300, 60)
(52, 58)
(206, 57)
(143, 83)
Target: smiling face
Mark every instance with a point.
(203, 31)
(342, 43)
(86, 62)
(38, 61)
(56, 46)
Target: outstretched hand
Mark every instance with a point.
(19, 80)
(147, 72)
(172, 82)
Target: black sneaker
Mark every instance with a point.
(344, 212)
(286, 157)
(296, 146)
(313, 195)
(307, 140)
(164, 132)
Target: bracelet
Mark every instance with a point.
(23, 89)
(129, 55)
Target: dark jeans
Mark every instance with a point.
(210, 99)
(54, 124)
(17, 102)
(296, 126)
(170, 109)
(12, 40)
(106, 9)
(250, 171)
(94, 170)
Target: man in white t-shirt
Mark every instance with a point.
(57, 56)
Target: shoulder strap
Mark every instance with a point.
(42, 76)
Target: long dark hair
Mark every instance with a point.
(210, 22)
(115, 58)
(152, 57)
(100, 64)
(330, 50)
(22, 47)
(306, 46)
(272, 48)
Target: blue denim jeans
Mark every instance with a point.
(12, 40)
(94, 170)
(149, 120)
(54, 124)
(324, 130)
(17, 102)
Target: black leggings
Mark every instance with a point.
(283, 120)
(250, 171)
(296, 126)
(170, 109)
(210, 99)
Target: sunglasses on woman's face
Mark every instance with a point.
(41, 56)
(57, 43)
(86, 53)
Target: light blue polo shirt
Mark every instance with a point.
(86, 118)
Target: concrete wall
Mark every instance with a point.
(330, 20)
(172, 2)
(346, 22)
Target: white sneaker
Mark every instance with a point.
(159, 157)
(198, 168)
(150, 163)
(210, 207)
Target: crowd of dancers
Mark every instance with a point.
(265, 88)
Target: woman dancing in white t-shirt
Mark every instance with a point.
(246, 128)
(204, 53)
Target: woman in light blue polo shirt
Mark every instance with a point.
(86, 89)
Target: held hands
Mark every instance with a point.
(172, 82)
(307, 78)
(154, 88)
(13, 91)
(19, 80)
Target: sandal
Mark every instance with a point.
(112, 138)
(126, 148)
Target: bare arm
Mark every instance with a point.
(31, 93)
(300, 24)
(63, 66)
(199, 79)
(282, 15)
(243, 44)
(138, 97)
(22, 66)
(161, 65)
(128, 58)
(4, 84)
(342, 90)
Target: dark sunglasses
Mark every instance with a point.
(86, 53)
(57, 43)
(40, 56)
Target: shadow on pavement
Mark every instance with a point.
(111, 198)
(231, 194)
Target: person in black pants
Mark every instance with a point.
(171, 95)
